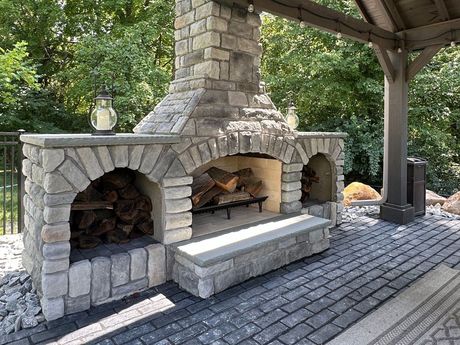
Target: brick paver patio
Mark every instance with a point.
(307, 302)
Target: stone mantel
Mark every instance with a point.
(76, 140)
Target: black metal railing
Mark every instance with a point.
(11, 183)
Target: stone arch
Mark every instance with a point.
(332, 149)
(83, 165)
(279, 147)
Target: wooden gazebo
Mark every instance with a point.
(393, 28)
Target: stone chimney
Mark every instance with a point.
(216, 89)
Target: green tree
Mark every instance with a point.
(127, 43)
(20, 93)
(16, 74)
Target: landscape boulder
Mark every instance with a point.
(432, 198)
(452, 204)
(359, 191)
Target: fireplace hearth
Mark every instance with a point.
(215, 118)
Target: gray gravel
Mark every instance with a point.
(19, 302)
(354, 212)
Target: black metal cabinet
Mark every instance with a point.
(416, 184)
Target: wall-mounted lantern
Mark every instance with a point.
(103, 117)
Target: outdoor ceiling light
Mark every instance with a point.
(291, 118)
(103, 117)
(251, 7)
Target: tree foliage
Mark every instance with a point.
(81, 45)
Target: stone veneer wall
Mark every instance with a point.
(58, 167)
(205, 281)
(216, 89)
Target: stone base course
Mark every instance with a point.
(103, 279)
(235, 256)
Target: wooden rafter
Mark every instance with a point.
(386, 15)
(362, 10)
(442, 9)
(422, 60)
(430, 35)
(394, 14)
(326, 19)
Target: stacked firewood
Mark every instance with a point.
(308, 178)
(216, 186)
(110, 210)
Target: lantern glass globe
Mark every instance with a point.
(103, 117)
(291, 118)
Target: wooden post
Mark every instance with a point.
(396, 209)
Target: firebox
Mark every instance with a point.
(217, 121)
(235, 190)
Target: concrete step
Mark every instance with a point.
(209, 264)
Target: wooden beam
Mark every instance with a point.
(394, 14)
(433, 34)
(385, 63)
(421, 61)
(324, 18)
(442, 9)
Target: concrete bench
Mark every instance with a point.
(210, 264)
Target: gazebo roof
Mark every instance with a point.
(399, 15)
(390, 24)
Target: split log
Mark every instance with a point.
(209, 195)
(103, 214)
(84, 219)
(91, 205)
(104, 226)
(230, 197)
(243, 175)
(253, 186)
(89, 194)
(143, 203)
(111, 196)
(223, 179)
(146, 227)
(200, 186)
(117, 179)
(129, 192)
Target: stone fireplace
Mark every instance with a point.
(215, 115)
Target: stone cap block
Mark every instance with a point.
(211, 249)
(72, 140)
(307, 135)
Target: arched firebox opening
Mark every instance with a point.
(318, 181)
(240, 180)
(117, 212)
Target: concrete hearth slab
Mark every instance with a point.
(211, 249)
(71, 140)
(208, 223)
